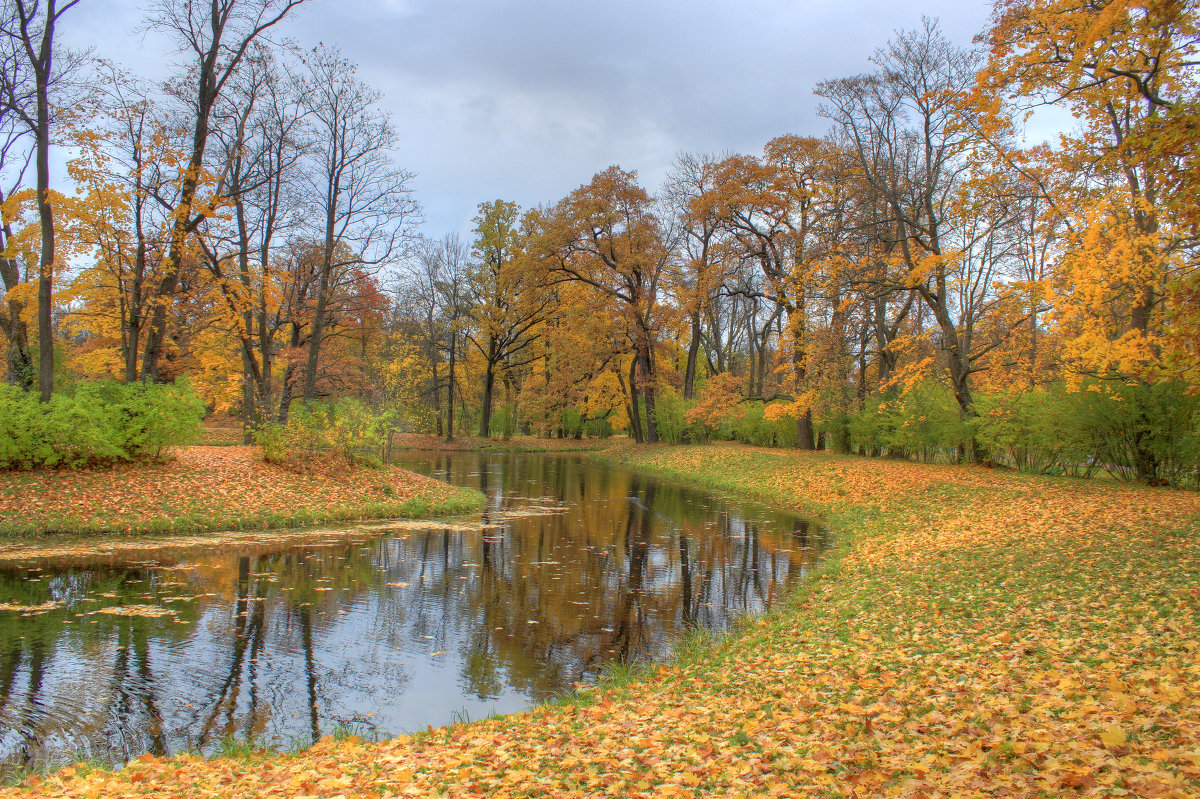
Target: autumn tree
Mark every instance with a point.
(606, 236)
(706, 256)
(126, 170)
(579, 367)
(770, 206)
(28, 91)
(260, 138)
(1122, 182)
(910, 127)
(362, 200)
(215, 39)
(1126, 73)
(509, 298)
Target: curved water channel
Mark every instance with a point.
(378, 629)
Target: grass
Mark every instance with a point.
(974, 632)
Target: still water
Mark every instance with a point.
(379, 629)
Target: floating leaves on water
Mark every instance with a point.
(140, 611)
(27, 610)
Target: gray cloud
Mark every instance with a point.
(526, 100)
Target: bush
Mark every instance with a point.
(346, 429)
(504, 421)
(836, 432)
(571, 422)
(1035, 430)
(923, 423)
(749, 424)
(873, 427)
(930, 428)
(1135, 431)
(598, 428)
(1140, 431)
(669, 410)
(96, 423)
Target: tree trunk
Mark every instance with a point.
(285, 393)
(804, 431)
(450, 391)
(633, 407)
(18, 362)
(133, 337)
(689, 373)
(289, 377)
(645, 378)
(437, 396)
(489, 382)
(804, 424)
(249, 400)
(45, 220)
(314, 339)
(966, 411)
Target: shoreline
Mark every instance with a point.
(213, 489)
(970, 630)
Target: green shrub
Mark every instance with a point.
(1135, 431)
(930, 427)
(571, 421)
(598, 428)
(504, 421)
(750, 425)
(669, 410)
(836, 432)
(923, 423)
(1035, 430)
(346, 429)
(96, 423)
(873, 427)
(1140, 431)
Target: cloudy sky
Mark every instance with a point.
(526, 99)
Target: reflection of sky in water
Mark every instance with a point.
(574, 565)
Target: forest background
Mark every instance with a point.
(915, 281)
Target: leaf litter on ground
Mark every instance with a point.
(980, 633)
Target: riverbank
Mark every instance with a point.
(424, 442)
(978, 632)
(214, 488)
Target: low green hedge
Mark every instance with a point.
(96, 423)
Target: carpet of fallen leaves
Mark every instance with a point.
(221, 433)
(212, 488)
(979, 633)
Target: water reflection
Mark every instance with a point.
(573, 565)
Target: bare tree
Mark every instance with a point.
(260, 138)
(362, 199)
(30, 26)
(15, 157)
(906, 123)
(216, 36)
(692, 179)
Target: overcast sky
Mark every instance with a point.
(526, 100)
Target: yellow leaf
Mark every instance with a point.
(1112, 736)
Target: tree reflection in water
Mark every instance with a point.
(573, 565)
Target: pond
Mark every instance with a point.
(378, 629)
